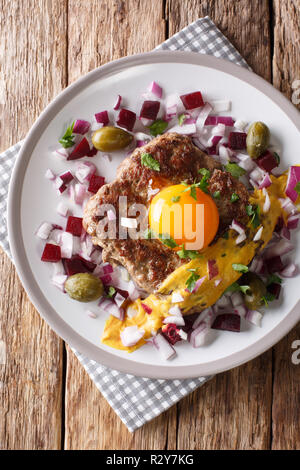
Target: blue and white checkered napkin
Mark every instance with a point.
(136, 399)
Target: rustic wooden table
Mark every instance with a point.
(47, 400)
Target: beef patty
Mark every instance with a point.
(149, 262)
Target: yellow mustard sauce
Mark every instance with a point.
(225, 251)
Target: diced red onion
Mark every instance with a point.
(258, 234)
(246, 162)
(91, 314)
(212, 268)
(61, 152)
(155, 89)
(177, 297)
(199, 335)
(239, 228)
(240, 310)
(183, 335)
(285, 233)
(278, 249)
(44, 230)
(179, 321)
(214, 120)
(224, 154)
(289, 271)
(119, 299)
(288, 206)
(59, 281)
(224, 302)
(266, 182)
(131, 335)
(203, 115)
(198, 284)
(201, 317)
(267, 203)
(118, 103)
(165, 349)
(254, 317)
(237, 299)
(84, 170)
(50, 175)
(131, 312)
(240, 238)
(240, 125)
(55, 236)
(58, 268)
(185, 129)
(66, 245)
(81, 127)
(293, 179)
(257, 175)
(79, 193)
(219, 130)
(217, 282)
(96, 126)
(292, 221)
(147, 309)
(175, 311)
(62, 209)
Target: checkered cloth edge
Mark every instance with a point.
(136, 399)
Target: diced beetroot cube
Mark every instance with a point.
(51, 253)
(102, 117)
(170, 332)
(96, 182)
(192, 100)
(237, 140)
(74, 266)
(211, 121)
(150, 109)
(227, 322)
(274, 264)
(267, 161)
(124, 293)
(62, 188)
(66, 177)
(275, 289)
(126, 119)
(90, 266)
(106, 279)
(92, 152)
(74, 225)
(81, 150)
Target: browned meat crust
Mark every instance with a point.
(149, 261)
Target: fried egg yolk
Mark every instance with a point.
(184, 214)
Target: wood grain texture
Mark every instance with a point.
(286, 388)
(32, 52)
(244, 23)
(107, 31)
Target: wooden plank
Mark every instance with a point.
(106, 31)
(32, 51)
(286, 387)
(240, 398)
(244, 23)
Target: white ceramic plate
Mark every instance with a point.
(32, 200)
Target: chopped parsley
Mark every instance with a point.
(241, 268)
(234, 197)
(253, 212)
(217, 194)
(235, 287)
(167, 240)
(191, 281)
(235, 170)
(192, 254)
(268, 298)
(225, 235)
(181, 119)
(67, 139)
(175, 198)
(150, 162)
(273, 278)
(158, 127)
(111, 291)
(297, 188)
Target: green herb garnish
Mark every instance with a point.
(235, 170)
(273, 278)
(191, 281)
(297, 188)
(158, 127)
(175, 198)
(217, 194)
(192, 254)
(268, 298)
(225, 235)
(148, 234)
(181, 119)
(67, 139)
(241, 268)
(150, 162)
(167, 240)
(253, 212)
(111, 291)
(234, 197)
(235, 287)
(277, 157)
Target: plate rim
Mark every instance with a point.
(22, 264)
